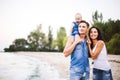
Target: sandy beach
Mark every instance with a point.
(30, 66)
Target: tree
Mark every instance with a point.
(10, 49)
(50, 38)
(54, 46)
(110, 31)
(20, 43)
(113, 45)
(37, 39)
(61, 35)
(97, 18)
(110, 28)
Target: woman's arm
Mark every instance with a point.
(97, 50)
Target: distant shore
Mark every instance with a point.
(59, 62)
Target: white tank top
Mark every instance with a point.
(101, 62)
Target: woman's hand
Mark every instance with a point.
(88, 42)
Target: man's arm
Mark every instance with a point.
(70, 45)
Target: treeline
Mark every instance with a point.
(110, 31)
(39, 41)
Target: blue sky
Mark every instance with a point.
(19, 17)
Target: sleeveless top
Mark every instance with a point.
(101, 62)
(75, 29)
(79, 58)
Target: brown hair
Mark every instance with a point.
(83, 21)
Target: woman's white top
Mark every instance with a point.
(101, 62)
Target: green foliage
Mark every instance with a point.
(65, 40)
(37, 39)
(113, 45)
(61, 35)
(54, 45)
(10, 49)
(50, 38)
(18, 45)
(97, 18)
(110, 31)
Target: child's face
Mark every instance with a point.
(78, 18)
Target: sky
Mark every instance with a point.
(20, 17)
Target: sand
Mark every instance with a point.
(57, 61)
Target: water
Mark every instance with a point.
(20, 67)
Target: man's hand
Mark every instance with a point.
(77, 39)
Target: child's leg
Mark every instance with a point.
(76, 36)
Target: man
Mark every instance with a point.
(79, 65)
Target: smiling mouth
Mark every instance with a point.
(93, 36)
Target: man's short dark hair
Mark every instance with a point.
(83, 21)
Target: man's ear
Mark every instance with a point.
(88, 29)
(87, 32)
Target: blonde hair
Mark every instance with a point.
(78, 14)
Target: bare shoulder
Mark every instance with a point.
(101, 43)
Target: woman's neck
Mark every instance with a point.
(94, 42)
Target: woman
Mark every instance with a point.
(98, 52)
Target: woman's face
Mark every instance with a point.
(93, 33)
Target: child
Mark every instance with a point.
(74, 28)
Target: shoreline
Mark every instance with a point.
(61, 63)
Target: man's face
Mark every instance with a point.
(82, 28)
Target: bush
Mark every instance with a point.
(113, 45)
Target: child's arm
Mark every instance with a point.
(71, 28)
